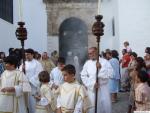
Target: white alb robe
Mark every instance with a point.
(88, 77)
(56, 76)
(14, 102)
(33, 68)
(72, 98)
(47, 104)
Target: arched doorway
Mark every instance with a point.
(73, 40)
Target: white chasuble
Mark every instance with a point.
(47, 104)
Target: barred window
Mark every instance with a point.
(6, 10)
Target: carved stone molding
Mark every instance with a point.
(70, 1)
(59, 12)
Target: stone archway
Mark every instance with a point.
(73, 40)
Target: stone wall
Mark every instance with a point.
(70, 1)
(58, 12)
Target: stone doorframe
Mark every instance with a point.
(58, 12)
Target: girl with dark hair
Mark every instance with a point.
(142, 92)
(140, 64)
(147, 60)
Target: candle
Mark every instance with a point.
(99, 3)
(20, 9)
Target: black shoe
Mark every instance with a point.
(122, 91)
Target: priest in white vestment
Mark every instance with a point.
(32, 69)
(88, 77)
(13, 87)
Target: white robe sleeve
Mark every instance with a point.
(79, 105)
(58, 102)
(86, 79)
(52, 77)
(18, 91)
(39, 68)
(106, 71)
(35, 80)
(23, 85)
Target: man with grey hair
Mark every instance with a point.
(88, 77)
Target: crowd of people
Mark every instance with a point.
(46, 84)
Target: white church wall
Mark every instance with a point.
(7, 32)
(35, 17)
(134, 24)
(109, 11)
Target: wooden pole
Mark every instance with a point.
(97, 70)
(23, 56)
(21, 34)
(97, 30)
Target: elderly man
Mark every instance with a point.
(47, 63)
(88, 77)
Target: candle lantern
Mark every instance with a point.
(21, 34)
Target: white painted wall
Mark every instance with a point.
(35, 17)
(109, 10)
(134, 24)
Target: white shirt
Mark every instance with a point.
(56, 76)
(33, 68)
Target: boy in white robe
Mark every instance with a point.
(13, 86)
(46, 103)
(32, 69)
(56, 76)
(88, 77)
(72, 96)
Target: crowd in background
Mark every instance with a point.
(131, 73)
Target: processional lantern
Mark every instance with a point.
(21, 33)
(98, 31)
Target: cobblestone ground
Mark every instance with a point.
(122, 104)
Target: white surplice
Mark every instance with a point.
(88, 77)
(33, 68)
(47, 104)
(56, 76)
(72, 98)
(14, 102)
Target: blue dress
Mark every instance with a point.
(114, 80)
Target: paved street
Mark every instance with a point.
(122, 105)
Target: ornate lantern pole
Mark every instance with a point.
(21, 34)
(97, 30)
